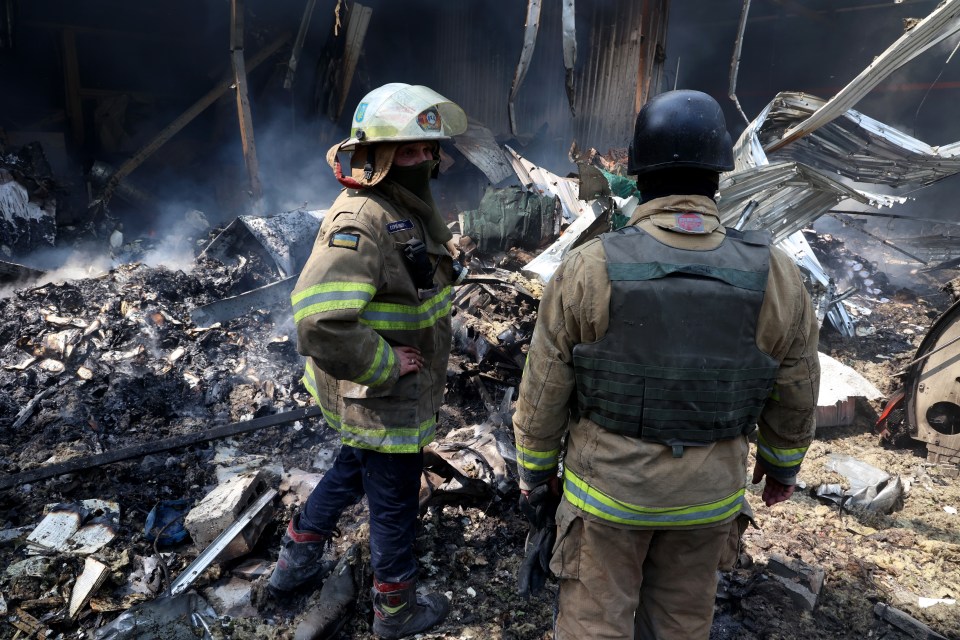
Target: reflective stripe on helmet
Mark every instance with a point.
(399, 111)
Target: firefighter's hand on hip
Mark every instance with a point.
(409, 358)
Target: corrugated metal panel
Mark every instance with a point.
(621, 35)
(472, 68)
(942, 23)
(614, 39)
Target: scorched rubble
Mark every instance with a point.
(96, 364)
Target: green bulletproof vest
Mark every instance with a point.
(679, 363)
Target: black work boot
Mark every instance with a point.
(400, 612)
(300, 559)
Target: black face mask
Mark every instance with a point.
(415, 178)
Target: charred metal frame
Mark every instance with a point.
(932, 389)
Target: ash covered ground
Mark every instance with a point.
(116, 360)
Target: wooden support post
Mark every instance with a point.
(186, 117)
(71, 77)
(243, 106)
(298, 44)
(358, 21)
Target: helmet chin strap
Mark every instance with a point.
(346, 181)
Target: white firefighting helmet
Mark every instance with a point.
(399, 112)
(394, 114)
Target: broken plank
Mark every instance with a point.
(28, 624)
(298, 44)
(243, 107)
(108, 457)
(28, 408)
(906, 623)
(246, 132)
(358, 19)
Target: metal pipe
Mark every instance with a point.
(735, 61)
(745, 216)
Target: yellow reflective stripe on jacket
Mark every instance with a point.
(785, 459)
(595, 502)
(310, 382)
(379, 370)
(390, 439)
(387, 315)
(537, 460)
(331, 296)
(383, 439)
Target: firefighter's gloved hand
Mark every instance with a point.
(540, 508)
(459, 273)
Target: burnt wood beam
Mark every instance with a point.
(144, 448)
(187, 116)
(244, 114)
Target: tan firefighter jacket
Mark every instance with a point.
(356, 299)
(627, 481)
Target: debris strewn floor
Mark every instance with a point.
(98, 364)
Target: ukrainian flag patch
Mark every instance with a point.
(345, 240)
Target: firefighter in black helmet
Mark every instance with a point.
(675, 339)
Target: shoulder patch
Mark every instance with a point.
(345, 240)
(399, 225)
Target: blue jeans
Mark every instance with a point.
(391, 482)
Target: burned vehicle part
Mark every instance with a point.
(932, 389)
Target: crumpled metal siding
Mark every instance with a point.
(943, 22)
(856, 146)
(789, 196)
(825, 138)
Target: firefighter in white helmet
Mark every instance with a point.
(372, 309)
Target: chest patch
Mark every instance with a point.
(399, 225)
(345, 240)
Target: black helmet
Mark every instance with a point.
(680, 129)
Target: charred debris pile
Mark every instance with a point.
(129, 412)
